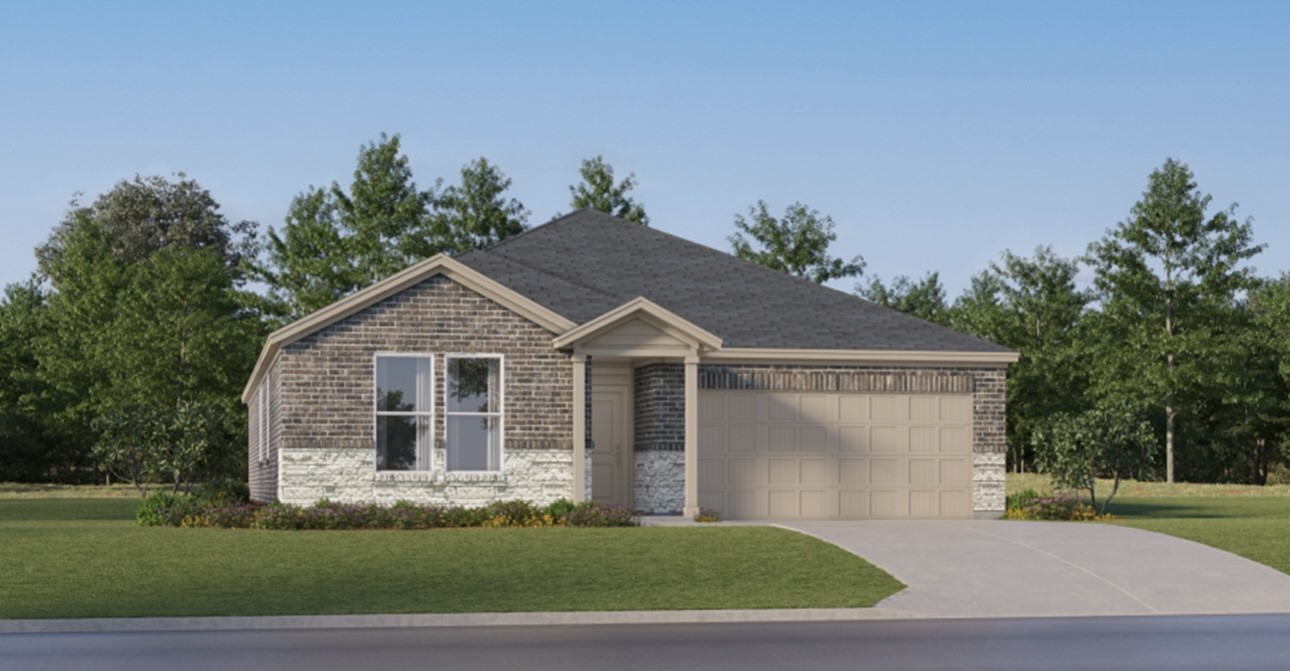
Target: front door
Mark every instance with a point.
(611, 455)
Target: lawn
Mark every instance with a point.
(1251, 521)
(85, 558)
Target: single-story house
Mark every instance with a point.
(592, 358)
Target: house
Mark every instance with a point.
(592, 358)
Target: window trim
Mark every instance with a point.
(428, 414)
(500, 413)
(262, 420)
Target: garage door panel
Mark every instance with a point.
(924, 503)
(954, 471)
(955, 503)
(923, 472)
(816, 503)
(782, 407)
(743, 473)
(956, 409)
(888, 439)
(893, 408)
(888, 503)
(924, 409)
(923, 439)
(814, 471)
(781, 439)
(782, 471)
(853, 503)
(853, 408)
(814, 438)
(850, 455)
(853, 438)
(742, 407)
(741, 439)
(713, 409)
(783, 503)
(712, 472)
(714, 437)
(956, 439)
(853, 471)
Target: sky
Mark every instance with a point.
(934, 134)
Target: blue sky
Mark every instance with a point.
(935, 134)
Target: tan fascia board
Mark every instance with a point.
(858, 356)
(640, 307)
(439, 264)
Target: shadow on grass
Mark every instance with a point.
(1202, 508)
(67, 510)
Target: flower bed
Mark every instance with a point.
(165, 509)
(1031, 505)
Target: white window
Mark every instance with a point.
(473, 412)
(403, 409)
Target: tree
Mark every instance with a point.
(798, 243)
(1108, 441)
(1163, 277)
(1032, 305)
(598, 191)
(923, 298)
(134, 335)
(146, 214)
(476, 214)
(334, 243)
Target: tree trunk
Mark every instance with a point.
(1169, 433)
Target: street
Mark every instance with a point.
(1062, 644)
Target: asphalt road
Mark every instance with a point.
(1062, 644)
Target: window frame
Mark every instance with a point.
(429, 414)
(500, 413)
(262, 420)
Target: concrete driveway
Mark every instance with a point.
(993, 568)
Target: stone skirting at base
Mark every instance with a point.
(348, 474)
(989, 483)
(660, 482)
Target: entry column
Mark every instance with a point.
(691, 435)
(580, 428)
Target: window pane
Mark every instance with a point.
(403, 384)
(473, 385)
(474, 443)
(396, 443)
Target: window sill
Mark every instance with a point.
(475, 476)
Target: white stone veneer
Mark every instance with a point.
(348, 474)
(989, 477)
(660, 482)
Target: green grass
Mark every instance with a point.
(1250, 521)
(23, 490)
(86, 558)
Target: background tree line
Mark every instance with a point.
(126, 352)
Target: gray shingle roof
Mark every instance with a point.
(586, 263)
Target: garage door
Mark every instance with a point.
(819, 455)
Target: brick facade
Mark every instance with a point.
(659, 407)
(326, 386)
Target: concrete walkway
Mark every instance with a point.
(993, 568)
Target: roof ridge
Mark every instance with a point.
(557, 218)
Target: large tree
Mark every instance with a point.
(599, 191)
(1033, 305)
(923, 298)
(796, 243)
(335, 242)
(156, 329)
(1164, 277)
(476, 213)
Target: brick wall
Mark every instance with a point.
(262, 474)
(659, 407)
(325, 384)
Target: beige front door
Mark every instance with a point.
(611, 456)
(782, 454)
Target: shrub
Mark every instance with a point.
(227, 491)
(1019, 500)
(1060, 507)
(707, 515)
(559, 509)
(594, 514)
(165, 509)
(186, 511)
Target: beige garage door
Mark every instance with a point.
(820, 455)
